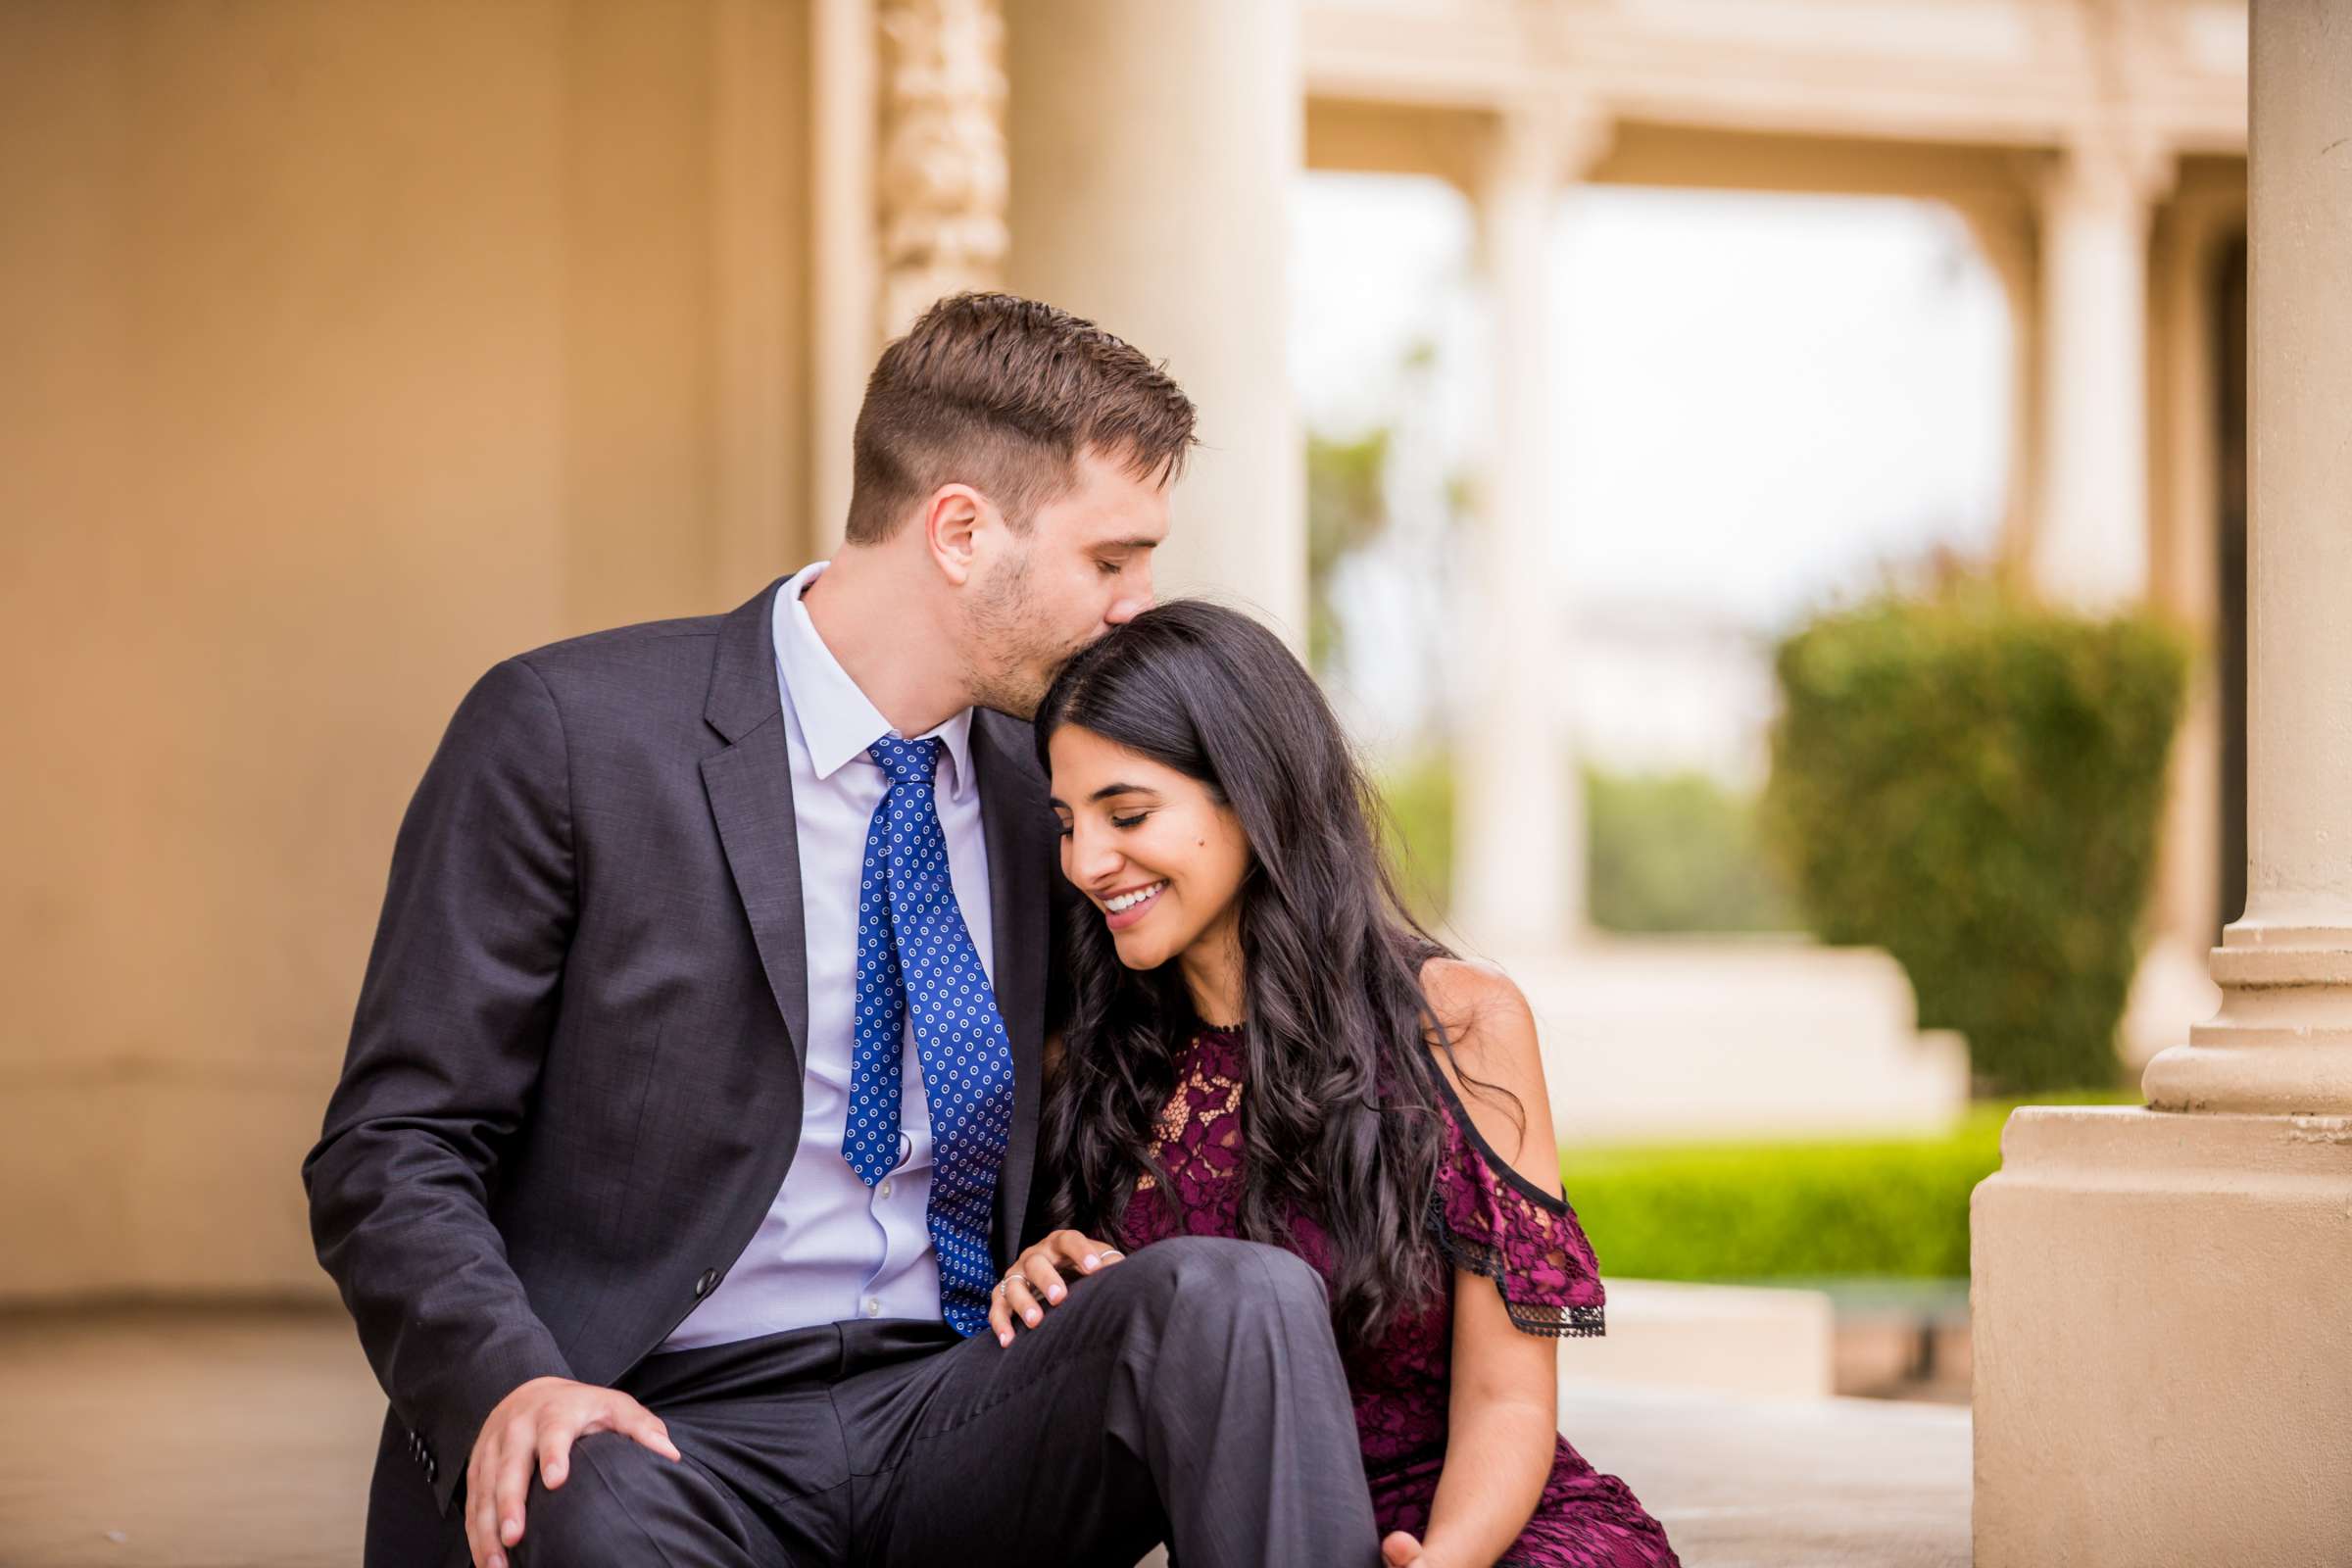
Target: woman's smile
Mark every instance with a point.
(1124, 909)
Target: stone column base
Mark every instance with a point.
(2162, 1307)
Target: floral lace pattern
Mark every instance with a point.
(1486, 1219)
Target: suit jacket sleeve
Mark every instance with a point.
(452, 1026)
(1066, 911)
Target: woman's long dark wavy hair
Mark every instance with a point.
(1340, 1116)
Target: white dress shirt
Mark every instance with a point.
(832, 1247)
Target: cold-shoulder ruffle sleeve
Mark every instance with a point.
(1490, 1219)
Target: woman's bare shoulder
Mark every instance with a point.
(1496, 1063)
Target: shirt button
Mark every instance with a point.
(873, 1307)
(885, 1189)
(701, 1286)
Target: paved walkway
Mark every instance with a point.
(241, 1440)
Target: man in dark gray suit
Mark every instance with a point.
(690, 1111)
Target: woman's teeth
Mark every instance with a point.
(1128, 901)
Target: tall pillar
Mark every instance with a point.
(2160, 1309)
(843, 270)
(1153, 148)
(942, 172)
(2090, 538)
(1519, 860)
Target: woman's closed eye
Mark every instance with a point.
(1137, 821)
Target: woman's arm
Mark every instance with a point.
(1503, 1420)
(1502, 1431)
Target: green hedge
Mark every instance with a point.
(1974, 784)
(1417, 832)
(1675, 852)
(1665, 851)
(1790, 1210)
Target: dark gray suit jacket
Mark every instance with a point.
(574, 1084)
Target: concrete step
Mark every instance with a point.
(241, 1438)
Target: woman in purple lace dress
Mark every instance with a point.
(1261, 1043)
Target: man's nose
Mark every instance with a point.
(1134, 600)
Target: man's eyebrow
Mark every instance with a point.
(1131, 544)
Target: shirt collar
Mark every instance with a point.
(837, 720)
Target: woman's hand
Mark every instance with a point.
(1401, 1549)
(1034, 1282)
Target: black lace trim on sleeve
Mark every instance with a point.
(1541, 1318)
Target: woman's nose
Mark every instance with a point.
(1093, 856)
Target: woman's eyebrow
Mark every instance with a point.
(1104, 794)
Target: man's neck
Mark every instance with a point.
(882, 632)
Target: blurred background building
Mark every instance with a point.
(1557, 359)
(353, 347)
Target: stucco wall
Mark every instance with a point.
(347, 349)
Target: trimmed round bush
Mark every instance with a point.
(1974, 784)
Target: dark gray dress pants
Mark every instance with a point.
(1190, 1394)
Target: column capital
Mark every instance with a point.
(2107, 171)
(1545, 143)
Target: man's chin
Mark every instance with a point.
(1013, 700)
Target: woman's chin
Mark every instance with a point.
(1136, 950)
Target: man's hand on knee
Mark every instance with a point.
(537, 1424)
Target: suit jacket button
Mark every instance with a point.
(701, 1286)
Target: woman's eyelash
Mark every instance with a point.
(1118, 822)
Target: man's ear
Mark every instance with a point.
(951, 522)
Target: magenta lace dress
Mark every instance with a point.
(1486, 1218)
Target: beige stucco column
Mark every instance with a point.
(1154, 147)
(1519, 862)
(2162, 1352)
(844, 260)
(941, 174)
(2090, 536)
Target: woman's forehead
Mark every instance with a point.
(1086, 765)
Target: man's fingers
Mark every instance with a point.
(555, 1452)
(510, 1481)
(481, 1520)
(648, 1428)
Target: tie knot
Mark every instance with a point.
(906, 762)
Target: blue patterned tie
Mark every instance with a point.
(914, 950)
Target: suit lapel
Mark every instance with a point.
(749, 789)
(1017, 826)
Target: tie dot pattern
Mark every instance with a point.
(916, 962)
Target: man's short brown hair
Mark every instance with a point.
(1003, 394)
